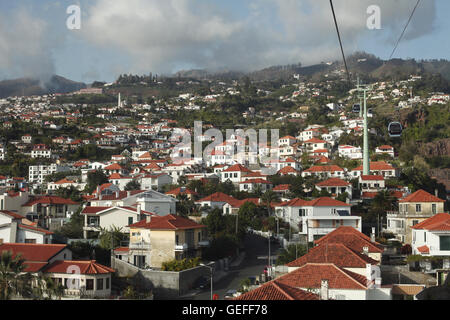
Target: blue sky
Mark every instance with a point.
(164, 36)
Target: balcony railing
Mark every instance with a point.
(140, 246)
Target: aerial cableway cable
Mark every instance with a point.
(340, 41)
(404, 30)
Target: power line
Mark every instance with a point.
(340, 41)
(407, 24)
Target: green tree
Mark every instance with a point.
(133, 185)
(268, 199)
(95, 179)
(111, 239)
(13, 282)
(291, 253)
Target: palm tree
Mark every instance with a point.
(268, 198)
(13, 280)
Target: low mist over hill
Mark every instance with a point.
(29, 87)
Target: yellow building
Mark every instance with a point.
(157, 239)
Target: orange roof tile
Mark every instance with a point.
(85, 267)
(277, 291)
(169, 222)
(312, 274)
(438, 222)
(421, 196)
(336, 253)
(333, 182)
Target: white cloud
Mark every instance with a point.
(162, 35)
(25, 47)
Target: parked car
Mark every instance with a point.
(230, 294)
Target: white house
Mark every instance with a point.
(318, 217)
(41, 151)
(350, 152)
(371, 183)
(336, 187)
(327, 171)
(234, 174)
(150, 200)
(379, 168)
(432, 236)
(385, 150)
(334, 283)
(14, 230)
(155, 181)
(97, 218)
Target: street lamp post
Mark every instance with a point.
(211, 269)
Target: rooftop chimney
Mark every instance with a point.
(1, 242)
(436, 193)
(324, 290)
(128, 194)
(366, 250)
(148, 218)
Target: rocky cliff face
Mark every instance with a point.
(436, 148)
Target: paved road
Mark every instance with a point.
(256, 259)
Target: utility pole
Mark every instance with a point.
(366, 161)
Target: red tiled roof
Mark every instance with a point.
(122, 249)
(351, 238)
(35, 229)
(335, 253)
(169, 222)
(372, 178)
(85, 267)
(49, 200)
(333, 182)
(331, 168)
(281, 187)
(114, 166)
(421, 196)
(385, 147)
(121, 195)
(319, 202)
(327, 202)
(315, 140)
(64, 181)
(287, 169)
(238, 168)
(323, 159)
(312, 274)
(12, 214)
(181, 190)
(260, 181)
(96, 210)
(438, 222)
(255, 175)
(377, 166)
(33, 252)
(239, 203)
(277, 291)
(217, 197)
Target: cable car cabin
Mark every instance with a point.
(356, 108)
(395, 129)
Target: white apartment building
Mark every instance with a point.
(37, 174)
